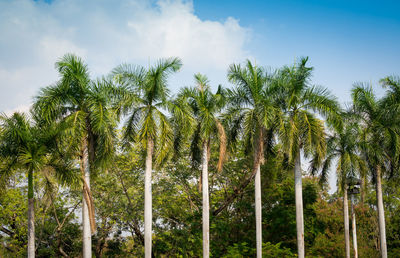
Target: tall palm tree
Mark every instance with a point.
(343, 147)
(28, 146)
(380, 143)
(392, 98)
(391, 107)
(146, 98)
(83, 105)
(206, 107)
(303, 131)
(252, 111)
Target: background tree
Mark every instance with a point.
(84, 106)
(380, 144)
(206, 107)
(252, 112)
(145, 99)
(391, 107)
(343, 147)
(26, 146)
(303, 131)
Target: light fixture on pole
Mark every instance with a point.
(354, 188)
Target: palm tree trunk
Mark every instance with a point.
(31, 217)
(381, 212)
(299, 205)
(200, 183)
(257, 186)
(87, 234)
(353, 221)
(346, 221)
(148, 217)
(206, 206)
(363, 189)
(258, 159)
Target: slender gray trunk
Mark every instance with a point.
(257, 184)
(206, 205)
(299, 206)
(346, 221)
(353, 221)
(381, 213)
(200, 183)
(31, 228)
(31, 217)
(148, 216)
(363, 189)
(258, 160)
(87, 234)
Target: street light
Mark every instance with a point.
(354, 188)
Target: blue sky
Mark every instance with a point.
(347, 41)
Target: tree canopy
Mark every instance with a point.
(128, 144)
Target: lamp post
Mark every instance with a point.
(354, 188)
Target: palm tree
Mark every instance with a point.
(391, 107)
(303, 131)
(83, 105)
(392, 98)
(252, 111)
(29, 146)
(205, 107)
(145, 99)
(343, 146)
(380, 143)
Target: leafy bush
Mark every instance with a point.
(269, 250)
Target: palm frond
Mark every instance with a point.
(222, 145)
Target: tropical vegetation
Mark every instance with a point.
(122, 166)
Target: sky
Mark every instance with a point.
(346, 41)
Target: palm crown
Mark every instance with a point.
(206, 107)
(344, 146)
(379, 132)
(144, 97)
(28, 146)
(252, 110)
(298, 99)
(83, 105)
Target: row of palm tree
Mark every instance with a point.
(366, 144)
(74, 122)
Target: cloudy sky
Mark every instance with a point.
(34, 34)
(347, 41)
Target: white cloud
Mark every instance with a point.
(106, 33)
(21, 109)
(52, 47)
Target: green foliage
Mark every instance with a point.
(268, 250)
(13, 217)
(329, 241)
(177, 204)
(205, 107)
(270, 117)
(239, 250)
